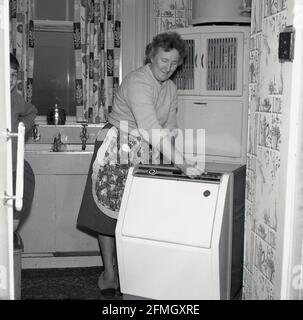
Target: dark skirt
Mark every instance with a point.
(28, 193)
(90, 217)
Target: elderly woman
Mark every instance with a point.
(144, 117)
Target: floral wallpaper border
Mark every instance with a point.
(170, 14)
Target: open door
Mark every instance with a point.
(6, 204)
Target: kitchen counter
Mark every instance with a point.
(44, 161)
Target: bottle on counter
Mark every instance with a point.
(56, 115)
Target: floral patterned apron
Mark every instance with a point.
(118, 152)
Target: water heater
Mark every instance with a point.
(220, 11)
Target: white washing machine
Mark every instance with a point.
(174, 234)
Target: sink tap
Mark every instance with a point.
(35, 134)
(57, 143)
(84, 136)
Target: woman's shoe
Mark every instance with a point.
(109, 291)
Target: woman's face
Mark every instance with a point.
(164, 64)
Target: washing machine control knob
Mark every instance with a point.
(152, 172)
(206, 193)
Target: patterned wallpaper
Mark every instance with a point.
(266, 91)
(170, 14)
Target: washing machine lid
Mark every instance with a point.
(170, 210)
(172, 173)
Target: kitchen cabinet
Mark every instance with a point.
(50, 229)
(214, 65)
(224, 122)
(38, 230)
(69, 192)
(212, 88)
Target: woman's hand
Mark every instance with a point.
(187, 166)
(192, 170)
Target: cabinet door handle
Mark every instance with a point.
(196, 57)
(201, 103)
(202, 62)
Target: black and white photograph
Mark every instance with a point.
(151, 153)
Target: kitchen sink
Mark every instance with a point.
(72, 160)
(65, 148)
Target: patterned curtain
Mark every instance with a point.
(97, 29)
(22, 43)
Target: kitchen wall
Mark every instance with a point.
(269, 94)
(169, 14)
(142, 20)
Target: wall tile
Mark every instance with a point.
(260, 255)
(247, 285)
(266, 105)
(249, 240)
(262, 231)
(262, 289)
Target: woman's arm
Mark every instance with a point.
(139, 98)
(28, 115)
(169, 151)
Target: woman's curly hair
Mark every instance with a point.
(166, 41)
